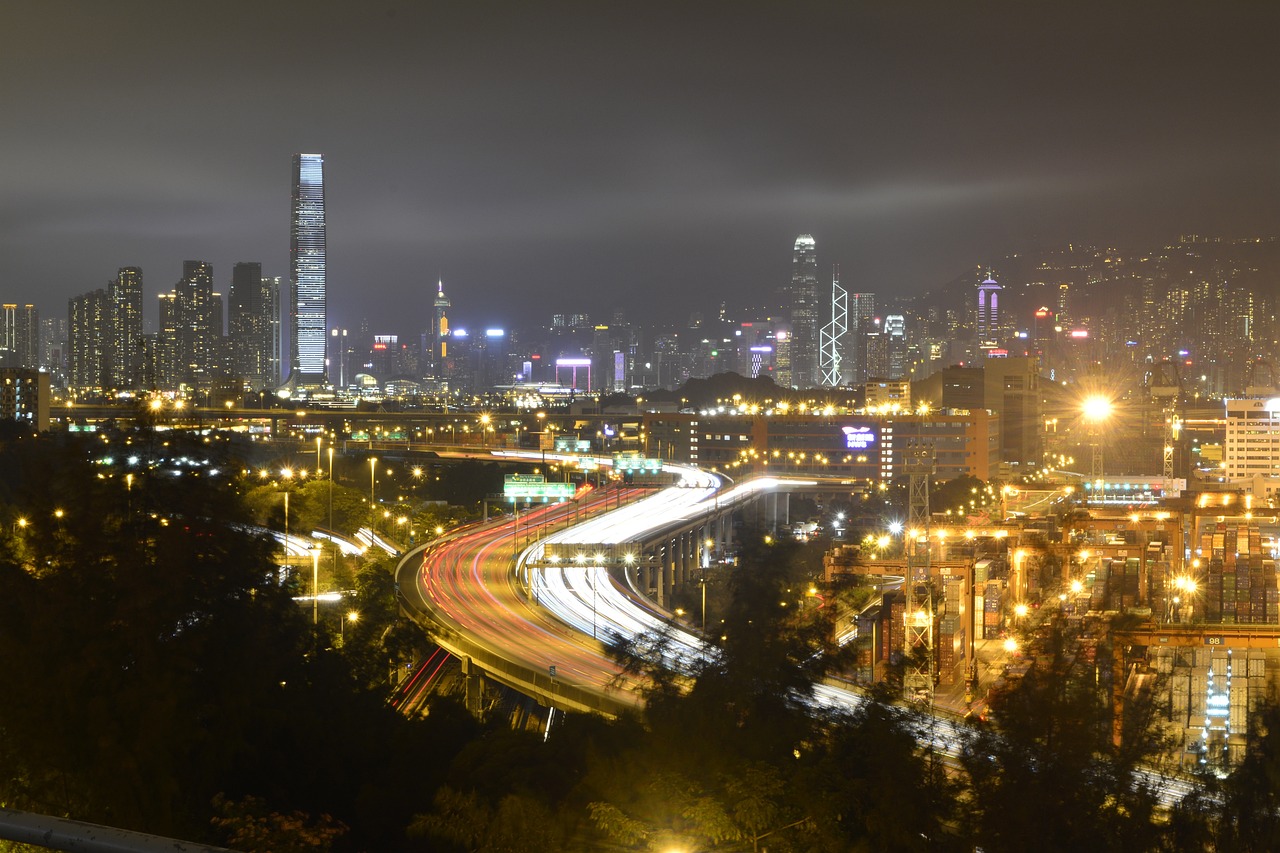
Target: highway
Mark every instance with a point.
(468, 584)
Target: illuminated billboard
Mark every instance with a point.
(859, 437)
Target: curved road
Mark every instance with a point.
(467, 584)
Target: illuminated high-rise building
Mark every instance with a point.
(20, 336)
(895, 338)
(805, 310)
(439, 333)
(166, 344)
(861, 322)
(195, 323)
(307, 272)
(125, 297)
(988, 325)
(252, 325)
(88, 341)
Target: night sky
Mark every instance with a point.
(651, 157)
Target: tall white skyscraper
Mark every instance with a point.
(804, 315)
(307, 272)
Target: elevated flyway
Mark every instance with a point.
(585, 595)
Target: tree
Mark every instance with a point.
(871, 787)
(152, 660)
(1047, 775)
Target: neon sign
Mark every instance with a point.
(859, 437)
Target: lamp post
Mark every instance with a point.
(286, 474)
(318, 440)
(373, 472)
(353, 616)
(315, 585)
(330, 486)
(702, 582)
(1096, 410)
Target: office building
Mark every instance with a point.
(861, 321)
(1251, 452)
(307, 273)
(895, 344)
(988, 320)
(805, 310)
(439, 337)
(832, 337)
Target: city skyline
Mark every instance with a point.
(548, 160)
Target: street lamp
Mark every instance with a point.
(373, 472)
(331, 487)
(702, 582)
(1096, 409)
(353, 616)
(286, 474)
(315, 585)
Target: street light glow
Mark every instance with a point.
(1096, 408)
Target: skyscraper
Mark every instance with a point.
(87, 341)
(988, 326)
(862, 309)
(307, 272)
(197, 315)
(251, 324)
(125, 297)
(804, 314)
(833, 334)
(439, 333)
(895, 338)
(20, 336)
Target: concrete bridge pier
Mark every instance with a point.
(688, 552)
(474, 682)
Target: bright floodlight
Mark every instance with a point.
(1096, 408)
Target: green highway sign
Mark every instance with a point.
(630, 462)
(521, 491)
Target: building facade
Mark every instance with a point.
(20, 336)
(1252, 446)
(805, 311)
(24, 397)
(126, 357)
(88, 341)
(307, 283)
(252, 326)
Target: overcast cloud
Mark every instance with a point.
(651, 157)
